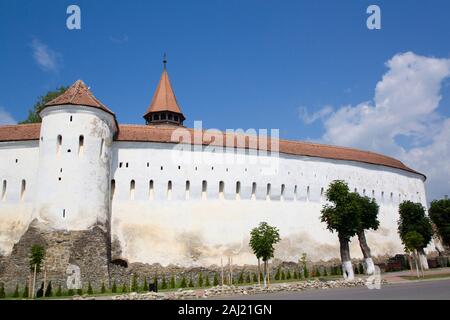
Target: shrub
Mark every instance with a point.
(163, 282)
(145, 286)
(124, 288)
(305, 272)
(49, 290)
(216, 279)
(89, 290)
(200, 280)
(207, 284)
(103, 289)
(278, 274)
(25, 291)
(283, 275)
(325, 272)
(16, 292)
(241, 277)
(59, 291)
(172, 282)
(183, 282)
(295, 274)
(155, 280)
(356, 270)
(134, 283)
(361, 268)
(318, 272)
(80, 292)
(288, 275)
(248, 278)
(70, 292)
(255, 277)
(114, 287)
(2, 291)
(191, 283)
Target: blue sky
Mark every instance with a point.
(233, 64)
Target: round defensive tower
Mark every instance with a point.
(75, 142)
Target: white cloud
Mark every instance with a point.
(319, 115)
(47, 59)
(6, 118)
(405, 106)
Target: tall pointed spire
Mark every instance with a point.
(164, 107)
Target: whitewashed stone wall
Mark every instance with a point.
(170, 226)
(153, 222)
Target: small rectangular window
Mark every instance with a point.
(5, 184)
(169, 190)
(268, 191)
(151, 189)
(113, 188)
(132, 189)
(221, 189)
(204, 189)
(282, 192)
(238, 190)
(22, 190)
(188, 187)
(254, 191)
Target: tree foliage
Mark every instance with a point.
(262, 240)
(37, 256)
(343, 214)
(33, 114)
(440, 215)
(414, 227)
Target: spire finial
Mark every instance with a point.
(164, 59)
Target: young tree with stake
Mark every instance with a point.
(262, 241)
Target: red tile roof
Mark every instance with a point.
(163, 134)
(164, 98)
(78, 94)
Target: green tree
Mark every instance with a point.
(172, 282)
(283, 275)
(164, 282)
(288, 275)
(343, 217)
(134, 283)
(241, 277)
(295, 274)
(2, 291)
(262, 241)
(207, 284)
(33, 114)
(278, 274)
(415, 229)
(89, 290)
(216, 279)
(80, 292)
(16, 292)
(37, 256)
(145, 286)
(255, 278)
(49, 290)
(305, 268)
(183, 283)
(103, 289)
(59, 291)
(26, 290)
(191, 283)
(439, 213)
(200, 280)
(124, 288)
(70, 292)
(368, 211)
(114, 287)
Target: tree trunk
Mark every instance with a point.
(259, 272)
(221, 263)
(423, 259)
(45, 282)
(268, 274)
(347, 268)
(415, 261)
(34, 282)
(30, 283)
(265, 273)
(370, 266)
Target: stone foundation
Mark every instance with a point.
(86, 249)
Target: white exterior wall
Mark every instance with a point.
(200, 231)
(73, 190)
(18, 161)
(194, 231)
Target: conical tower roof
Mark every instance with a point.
(164, 99)
(78, 94)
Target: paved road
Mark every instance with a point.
(421, 290)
